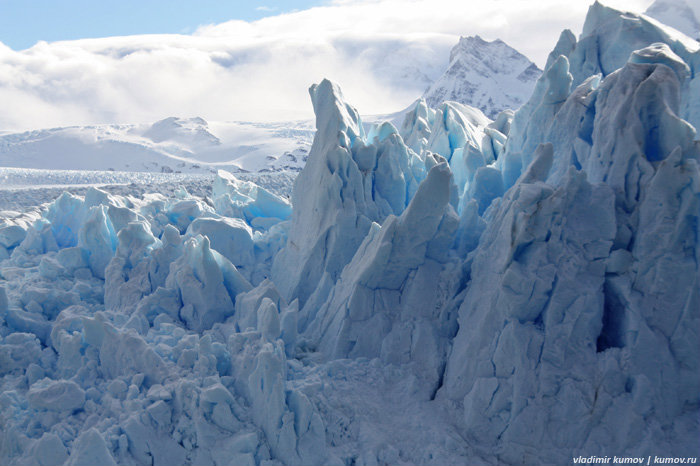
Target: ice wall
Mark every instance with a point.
(577, 327)
(351, 180)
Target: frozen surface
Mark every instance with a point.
(454, 291)
(23, 188)
(172, 145)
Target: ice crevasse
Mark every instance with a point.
(536, 277)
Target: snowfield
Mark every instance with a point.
(172, 145)
(458, 290)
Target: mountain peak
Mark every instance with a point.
(479, 73)
(472, 45)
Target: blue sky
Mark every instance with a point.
(24, 22)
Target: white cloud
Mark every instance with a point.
(375, 49)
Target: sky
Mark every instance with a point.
(25, 22)
(75, 62)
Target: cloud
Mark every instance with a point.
(383, 53)
(532, 27)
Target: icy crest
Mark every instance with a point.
(350, 181)
(243, 199)
(609, 41)
(610, 37)
(677, 14)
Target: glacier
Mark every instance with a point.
(523, 290)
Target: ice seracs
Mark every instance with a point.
(121, 352)
(350, 181)
(382, 305)
(554, 340)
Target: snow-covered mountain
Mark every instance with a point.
(170, 145)
(491, 76)
(677, 14)
(517, 291)
(488, 75)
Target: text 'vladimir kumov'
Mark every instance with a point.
(634, 460)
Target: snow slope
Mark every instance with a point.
(170, 145)
(454, 291)
(677, 14)
(491, 76)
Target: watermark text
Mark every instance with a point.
(646, 460)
